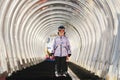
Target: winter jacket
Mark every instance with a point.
(61, 46)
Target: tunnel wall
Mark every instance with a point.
(19, 46)
(92, 27)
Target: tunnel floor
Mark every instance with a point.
(45, 71)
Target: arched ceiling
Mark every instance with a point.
(91, 26)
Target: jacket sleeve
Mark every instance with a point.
(68, 47)
(54, 45)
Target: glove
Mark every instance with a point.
(69, 55)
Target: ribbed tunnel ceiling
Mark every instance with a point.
(91, 26)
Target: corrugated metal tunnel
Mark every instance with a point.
(91, 25)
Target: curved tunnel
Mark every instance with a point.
(91, 25)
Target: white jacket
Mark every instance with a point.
(61, 46)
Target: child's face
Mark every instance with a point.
(61, 32)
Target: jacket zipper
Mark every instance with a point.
(60, 50)
(61, 47)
